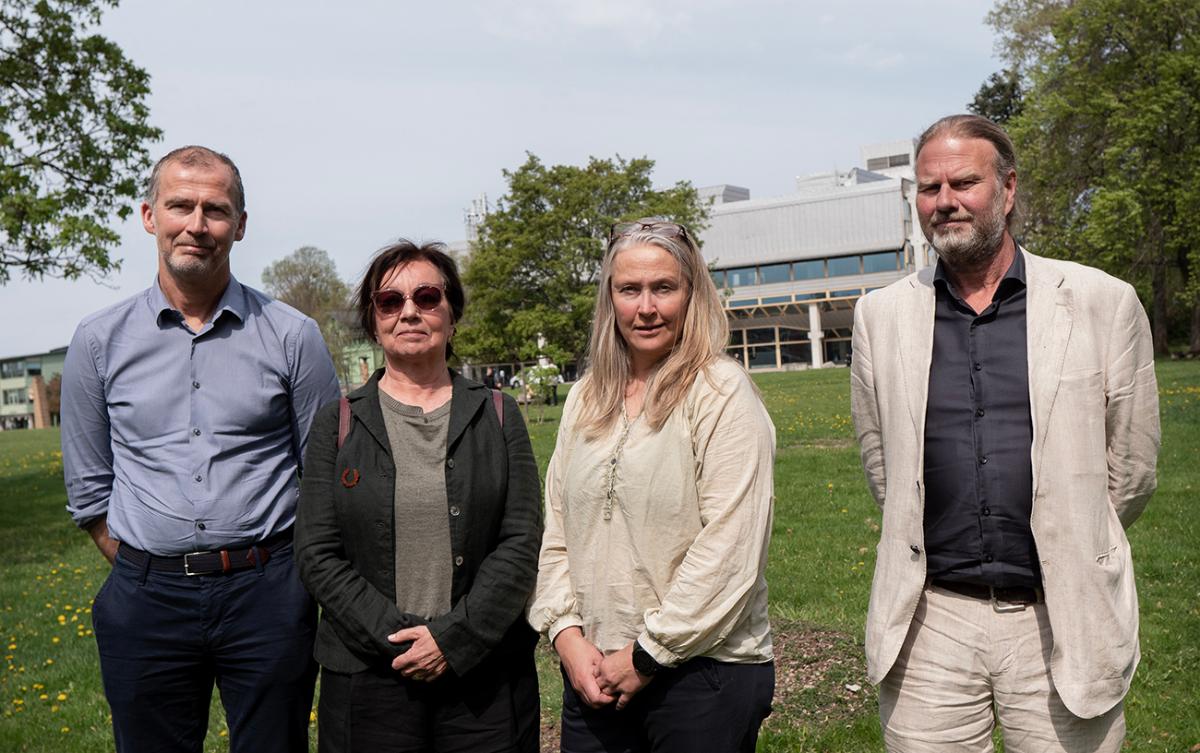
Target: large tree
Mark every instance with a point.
(73, 129)
(307, 280)
(1109, 141)
(533, 269)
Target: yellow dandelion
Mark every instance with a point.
(54, 709)
(65, 730)
(55, 639)
(44, 697)
(62, 696)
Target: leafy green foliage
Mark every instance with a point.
(534, 267)
(999, 99)
(1109, 139)
(73, 124)
(307, 280)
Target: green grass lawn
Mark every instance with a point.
(822, 555)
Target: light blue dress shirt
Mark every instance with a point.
(190, 441)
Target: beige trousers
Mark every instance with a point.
(967, 665)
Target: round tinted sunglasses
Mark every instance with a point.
(390, 302)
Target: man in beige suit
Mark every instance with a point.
(1007, 412)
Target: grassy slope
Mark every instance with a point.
(822, 553)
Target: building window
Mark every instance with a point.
(10, 369)
(844, 265)
(790, 333)
(760, 336)
(19, 396)
(777, 299)
(897, 160)
(837, 351)
(741, 276)
(814, 269)
(718, 277)
(737, 354)
(761, 357)
(877, 163)
(775, 273)
(888, 261)
(735, 337)
(743, 302)
(795, 353)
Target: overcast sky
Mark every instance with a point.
(357, 124)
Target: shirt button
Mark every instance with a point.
(195, 385)
(199, 478)
(915, 549)
(454, 510)
(201, 526)
(987, 557)
(979, 412)
(983, 461)
(458, 560)
(195, 432)
(979, 367)
(986, 511)
(450, 463)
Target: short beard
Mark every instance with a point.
(976, 249)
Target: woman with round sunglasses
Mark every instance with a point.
(659, 499)
(417, 532)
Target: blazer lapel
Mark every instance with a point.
(465, 402)
(364, 405)
(914, 333)
(1049, 314)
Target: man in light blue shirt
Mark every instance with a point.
(185, 414)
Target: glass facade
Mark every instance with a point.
(741, 276)
(887, 261)
(814, 269)
(840, 266)
(775, 273)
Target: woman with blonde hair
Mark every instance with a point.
(651, 582)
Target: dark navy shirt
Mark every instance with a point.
(189, 440)
(978, 439)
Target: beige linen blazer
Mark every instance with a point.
(1094, 404)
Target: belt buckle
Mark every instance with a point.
(187, 565)
(1005, 606)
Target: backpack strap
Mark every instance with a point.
(343, 421)
(497, 398)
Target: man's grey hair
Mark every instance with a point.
(196, 156)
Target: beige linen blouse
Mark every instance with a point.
(677, 558)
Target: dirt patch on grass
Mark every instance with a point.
(820, 679)
(829, 443)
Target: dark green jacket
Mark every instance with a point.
(345, 533)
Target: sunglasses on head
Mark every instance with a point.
(390, 302)
(661, 228)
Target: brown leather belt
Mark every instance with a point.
(1006, 595)
(214, 562)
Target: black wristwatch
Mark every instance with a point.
(643, 662)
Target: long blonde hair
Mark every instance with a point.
(703, 336)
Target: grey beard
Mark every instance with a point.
(975, 251)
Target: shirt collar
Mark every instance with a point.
(1013, 279)
(232, 300)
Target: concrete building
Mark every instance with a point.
(27, 398)
(792, 267)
